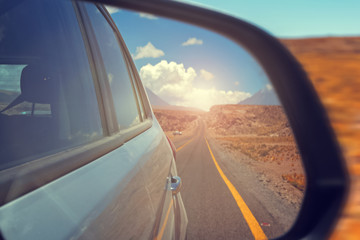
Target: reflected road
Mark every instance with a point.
(212, 206)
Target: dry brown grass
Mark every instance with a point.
(297, 180)
(264, 136)
(272, 149)
(280, 152)
(254, 120)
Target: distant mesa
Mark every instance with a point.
(154, 99)
(266, 96)
(177, 108)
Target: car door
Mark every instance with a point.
(97, 165)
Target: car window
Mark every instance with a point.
(122, 90)
(47, 97)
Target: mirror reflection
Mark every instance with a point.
(236, 154)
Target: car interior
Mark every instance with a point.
(41, 109)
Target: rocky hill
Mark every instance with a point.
(263, 134)
(265, 96)
(175, 120)
(248, 120)
(155, 99)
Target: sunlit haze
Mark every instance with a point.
(188, 66)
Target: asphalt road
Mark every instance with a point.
(213, 210)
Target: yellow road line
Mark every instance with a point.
(249, 217)
(159, 236)
(178, 149)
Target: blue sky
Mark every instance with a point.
(294, 18)
(211, 69)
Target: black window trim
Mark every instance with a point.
(34, 174)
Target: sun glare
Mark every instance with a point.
(202, 101)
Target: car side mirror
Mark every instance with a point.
(325, 173)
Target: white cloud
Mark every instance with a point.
(112, 10)
(148, 51)
(148, 16)
(236, 83)
(168, 79)
(192, 41)
(269, 86)
(206, 75)
(174, 83)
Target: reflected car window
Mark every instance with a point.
(47, 98)
(116, 70)
(139, 98)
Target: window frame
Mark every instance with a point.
(122, 46)
(145, 102)
(134, 75)
(36, 173)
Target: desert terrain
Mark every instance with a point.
(264, 136)
(333, 66)
(259, 136)
(175, 120)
